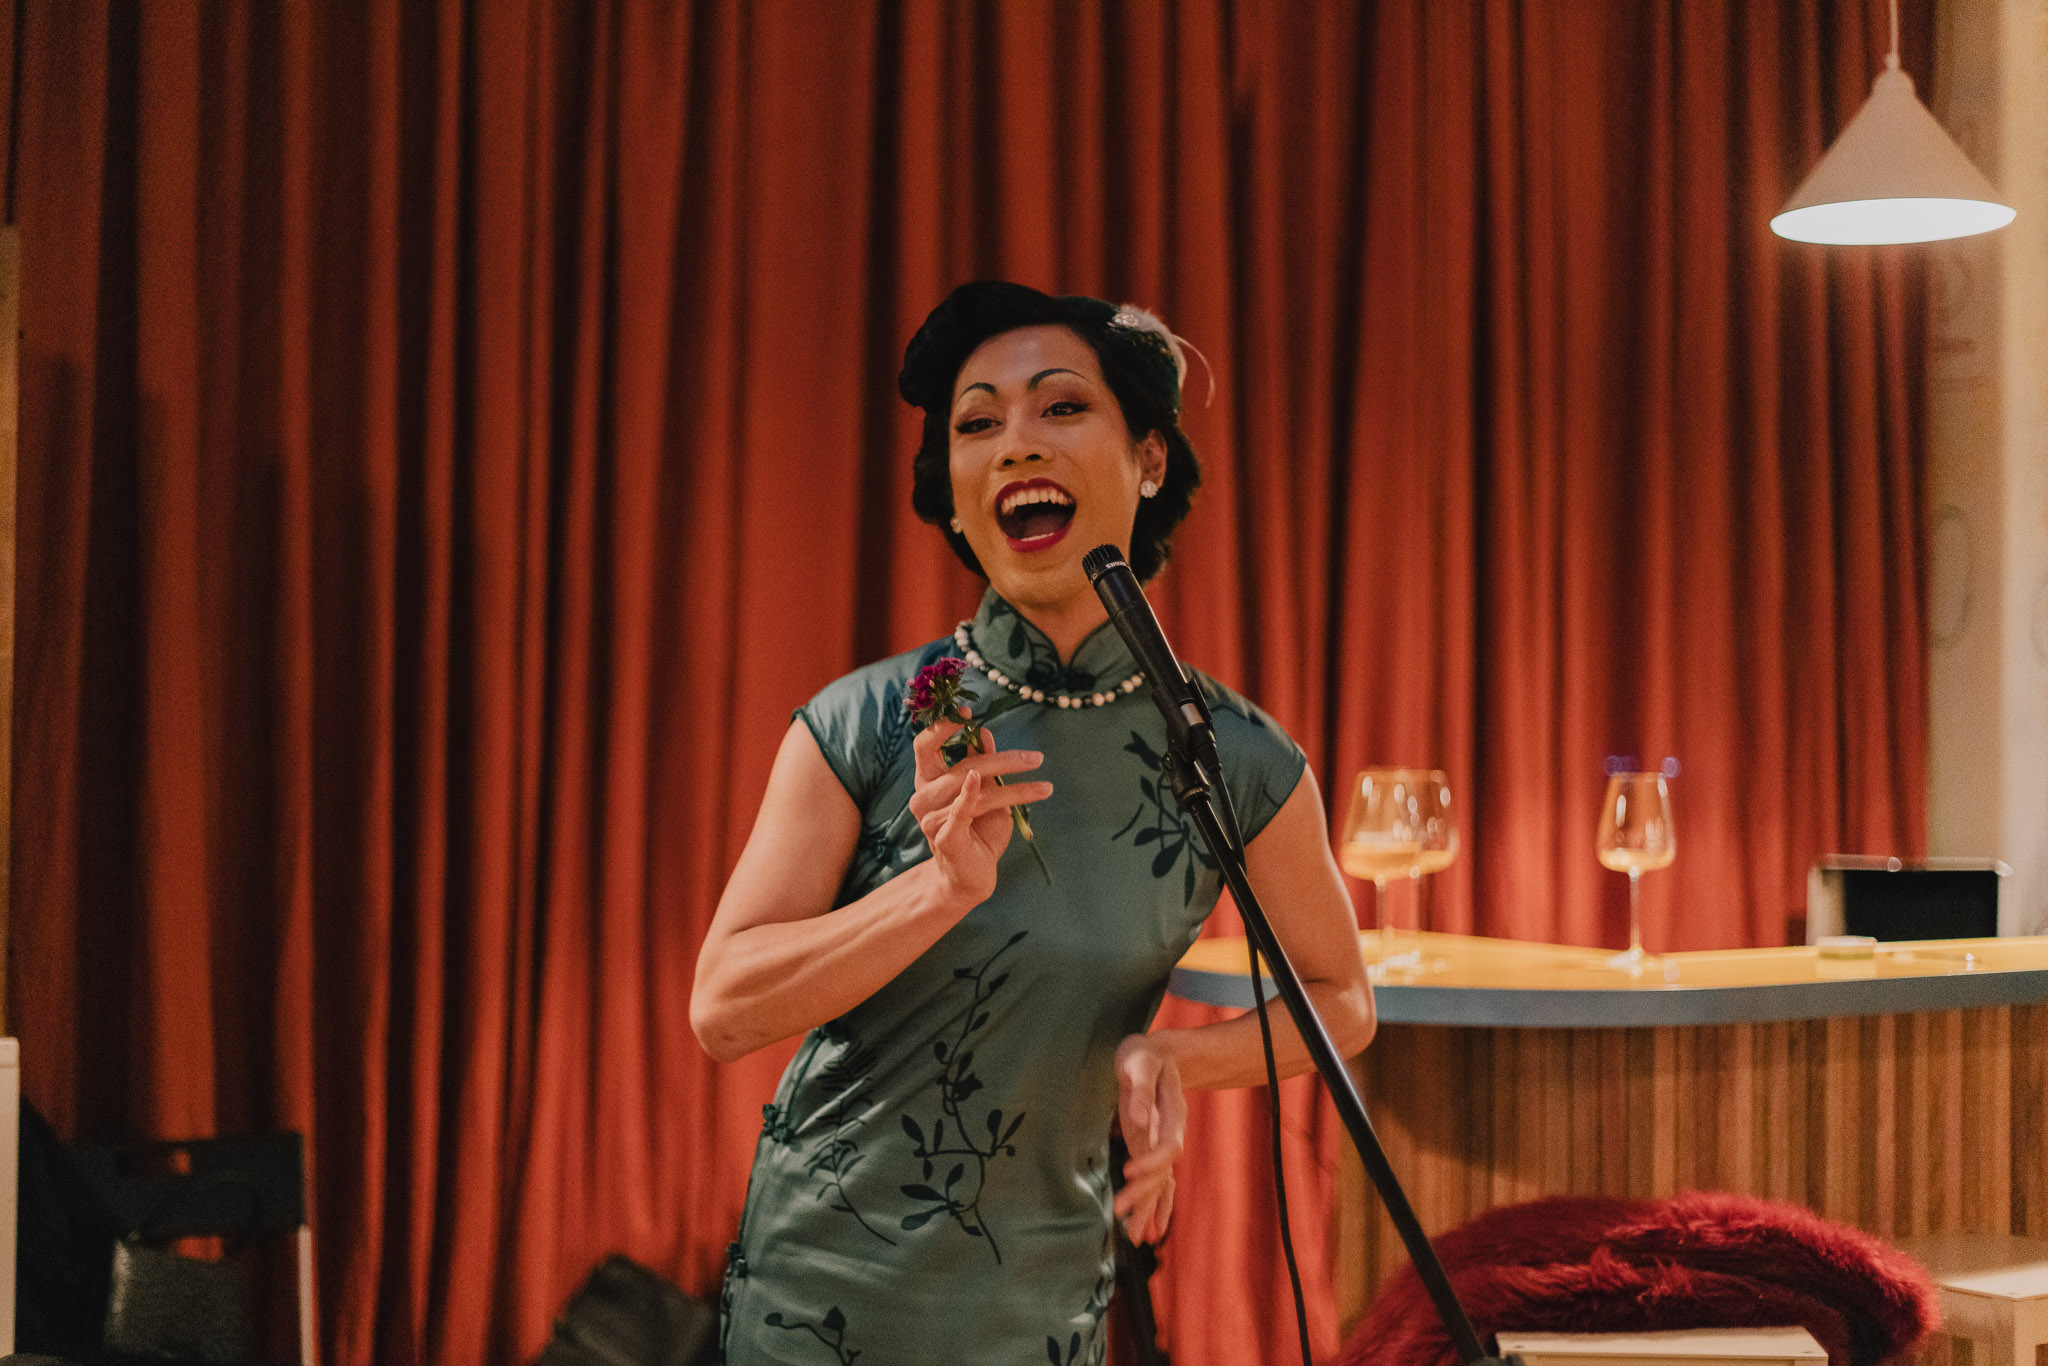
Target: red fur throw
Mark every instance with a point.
(1594, 1264)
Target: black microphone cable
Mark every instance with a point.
(1125, 600)
(1279, 1167)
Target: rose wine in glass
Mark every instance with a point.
(1636, 837)
(1399, 825)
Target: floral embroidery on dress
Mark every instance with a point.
(834, 1324)
(878, 855)
(1095, 1309)
(1041, 667)
(836, 1153)
(1168, 826)
(957, 1084)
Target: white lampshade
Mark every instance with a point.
(1894, 175)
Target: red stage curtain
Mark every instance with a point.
(454, 436)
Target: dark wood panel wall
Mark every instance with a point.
(1899, 1124)
(10, 391)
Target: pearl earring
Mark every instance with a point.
(958, 530)
(1147, 489)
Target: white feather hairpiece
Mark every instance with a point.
(1138, 319)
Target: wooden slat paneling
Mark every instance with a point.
(1901, 1125)
(2030, 1121)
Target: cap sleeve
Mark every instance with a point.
(861, 725)
(1261, 763)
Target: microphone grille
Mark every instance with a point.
(1100, 559)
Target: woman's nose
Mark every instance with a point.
(1018, 450)
(1022, 441)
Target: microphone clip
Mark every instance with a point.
(1194, 768)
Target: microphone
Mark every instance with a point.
(1188, 727)
(1132, 616)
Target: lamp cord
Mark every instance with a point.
(1891, 60)
(1279, 1169)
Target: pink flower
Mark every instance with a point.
(936, 693)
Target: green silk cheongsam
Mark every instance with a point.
(931, 1186)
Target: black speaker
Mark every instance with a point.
(65, 1233)
(1892, 899)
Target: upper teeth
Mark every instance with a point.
(1037, 493)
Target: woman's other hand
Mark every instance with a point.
(1154, 1114)
(965, 813)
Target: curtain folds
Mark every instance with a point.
(454, 436)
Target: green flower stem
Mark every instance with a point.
(1017, 817)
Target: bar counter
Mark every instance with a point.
(1906, 1094)
(1505, 983)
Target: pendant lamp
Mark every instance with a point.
(1894, 175)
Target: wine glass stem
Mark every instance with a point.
(1386, 921)
(1635, 912)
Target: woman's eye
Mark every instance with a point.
(1066, 407)
(968, 426)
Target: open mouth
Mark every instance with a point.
(1034, 514)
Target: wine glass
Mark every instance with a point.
(1399, 824)
(1636, 837)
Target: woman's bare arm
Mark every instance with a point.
(1299, 886)
(1303, 895)
(774, 963)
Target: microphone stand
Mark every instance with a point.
(1195, 771)
(1197, 787)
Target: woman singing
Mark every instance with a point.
(932, 1184)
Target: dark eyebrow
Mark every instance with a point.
(1035, 380)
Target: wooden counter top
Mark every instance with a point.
(1505, 983)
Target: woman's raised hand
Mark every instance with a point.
(965, 813)
(1153, 1112)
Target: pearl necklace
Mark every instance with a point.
(1065, 701)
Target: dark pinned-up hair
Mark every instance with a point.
(1137, 362)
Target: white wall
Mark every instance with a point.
(1988, 465)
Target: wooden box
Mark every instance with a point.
(1994, 1297)
(1691, 1347)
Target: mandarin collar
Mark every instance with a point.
(1002, 636)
